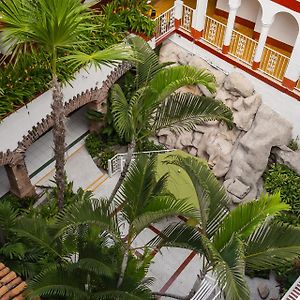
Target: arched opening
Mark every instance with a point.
(282, 34)
(39, 157)
(246, 17)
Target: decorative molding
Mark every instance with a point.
(94, 94)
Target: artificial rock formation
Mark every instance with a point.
(238, 156)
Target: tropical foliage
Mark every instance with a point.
(279, 178)
(231, 241)
(24, 79)
(152, 103)
(81, 251)
(61, 29)
(134, 13)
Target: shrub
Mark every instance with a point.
(147, 145)
(279, 178)
(134, 13)
(293, 144)
(93, 144)
(18, 203)
(107, 154)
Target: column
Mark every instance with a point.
(199, 19)
(178, 12)
(265, 28)
(101, 107)
(292, 73)
(19, 180)
(233, 8)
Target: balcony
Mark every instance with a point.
(243, 47)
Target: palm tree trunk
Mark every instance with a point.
(58, 115)
(130, 151)
(123, 267)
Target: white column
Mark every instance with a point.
(265, 28)
(199, 15)
(292, 73)
(233, 8)
(178, 12)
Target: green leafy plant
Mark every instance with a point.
(279, 178)
(134, 13)
(293, 144)
(147, 145)
(93, 144)
(104, 156)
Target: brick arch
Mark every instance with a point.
(89, 96)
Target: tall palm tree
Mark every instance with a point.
(231, 241)
(56, 27)
(153, 103)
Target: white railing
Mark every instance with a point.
(214, 32)
(294, 292)
(208, 290)
(116, 164)
(187, 18)
(274, 63)
(242, 47)
(165, 23)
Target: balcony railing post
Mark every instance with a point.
(198, 22)
(178, 12)
(292, 73)
(233, 8)
(261, 44)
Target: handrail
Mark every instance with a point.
(293, 292)
(116, 163)
(165, 12)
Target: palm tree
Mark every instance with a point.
(231, 241)
(73, 243)
(153, 104)
(60, 28)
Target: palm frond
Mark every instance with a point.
(139, 187)
(93, 265)
(161, 207)
(168, 80)
(229, 268)
(148, 64)
(37, 231)
(272, 245)
(56, 281)
(91, 212)
(8, 216)
(122, 112)
(212, 198)
(48, 24)
(183, 111)
(110, 56)
(245, 218)
(179, 235)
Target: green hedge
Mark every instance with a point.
(280, 178)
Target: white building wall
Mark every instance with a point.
(248, 9)
(284, 28)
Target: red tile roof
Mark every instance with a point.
(11, 285)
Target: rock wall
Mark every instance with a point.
(238, 156)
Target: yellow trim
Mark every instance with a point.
(100, 184)
(94, 182)
(47, 174)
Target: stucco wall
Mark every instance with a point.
(285, 26)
